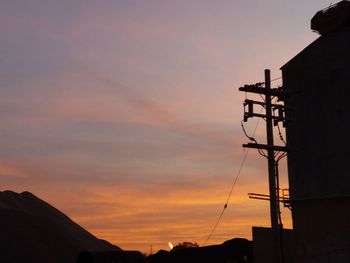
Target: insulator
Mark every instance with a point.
(250, 108)
(280, 112)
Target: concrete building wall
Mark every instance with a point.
(317, 82)
(263, 245)
(322, 231)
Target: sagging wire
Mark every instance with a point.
(281, 156)
(271, 80)
(245, 133)
(228, 198)
(234, 181)
(280, 134)
(261, 152)
(276, 79)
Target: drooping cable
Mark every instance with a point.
(276, 79)
(271, 80)
(233, 183)
(245, 133)
(261, 152)
(280, 134)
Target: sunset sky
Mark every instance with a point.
(125, 115)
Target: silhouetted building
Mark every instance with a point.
(263, 245)
(317, 83)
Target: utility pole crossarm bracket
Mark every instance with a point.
(266, 147)
(261, 103)
(276, 118)
(249, 111)
(285, 200)
(260, 90)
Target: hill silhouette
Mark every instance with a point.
(34, 231)
(235, 250)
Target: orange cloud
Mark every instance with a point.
(136, 217)
(113, 102)
(11, 171)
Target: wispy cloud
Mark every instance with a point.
(139, 140)
(160, 213)
(7, 170)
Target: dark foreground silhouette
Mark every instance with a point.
(34, 231)
(236, 250)
(111, 257)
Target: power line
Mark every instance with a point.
(239, 172)
(245, 133)
(271, 80)
(281, 135)
(276, 79)
(278, 126)
(233, 184)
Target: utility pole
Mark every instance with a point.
(274, 209)
(272, 150)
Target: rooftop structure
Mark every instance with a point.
(332, 18)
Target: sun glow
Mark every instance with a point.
(170, 245)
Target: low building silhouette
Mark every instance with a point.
(263, 245)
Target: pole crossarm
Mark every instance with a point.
(264, 116)
(248, 101)
(249, 111)
(258, 89)
(266, 147)
(259, 196)
(284, 199)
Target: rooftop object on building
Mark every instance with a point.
(333, 18)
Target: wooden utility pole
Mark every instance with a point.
(271, 149)
(274, 210)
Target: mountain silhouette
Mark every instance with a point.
(34, 231)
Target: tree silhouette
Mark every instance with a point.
(185, 245)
